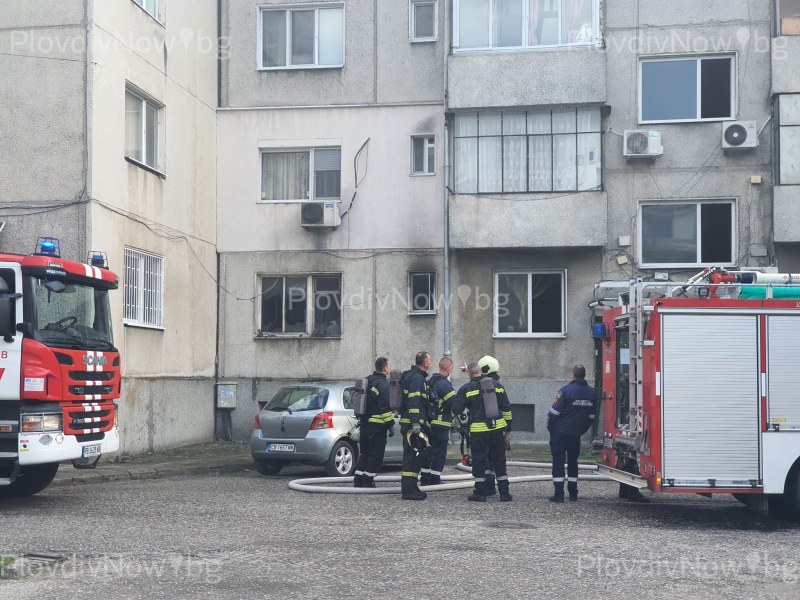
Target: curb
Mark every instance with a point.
(150, 473)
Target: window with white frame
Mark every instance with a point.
(302, 36)
(422, 292)
(423, 155)
(528, 151)
(494, 24)
(687, 89)
(298, 175)
(788, 112)
(530, 304)
(144, 289)
(788, 12)
(423, 19)
(687, 234)
(151, 6)
(141, 129)
(301, 305)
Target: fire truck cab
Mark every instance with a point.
(701, 386)
(59, 368)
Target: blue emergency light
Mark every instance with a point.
(98, 259)
(48, 246)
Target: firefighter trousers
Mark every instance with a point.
(440, 438)
(488, 454)
(565, 448)
(371, 447)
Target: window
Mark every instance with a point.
(788, 139)
(687, 89)
(151, 6)
(423, 153)
(489, 24)
(301, 174)
(422, 293)
(423, 20)
(684, 234)
(530, 304)
(302, 37)
(528, 151)
(141, 129)
(788, 17)
(301, 305)
(144, 289)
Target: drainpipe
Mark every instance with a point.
(447, 350)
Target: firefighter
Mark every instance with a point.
(374, 425)
(414, 426)
(490, 367)
(569, 418)
(486, 433)
(441, 401)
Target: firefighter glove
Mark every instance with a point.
(507, 440)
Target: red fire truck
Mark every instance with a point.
(59, 369)
(700, 385)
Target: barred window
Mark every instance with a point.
(144, 289)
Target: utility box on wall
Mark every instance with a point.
(226, 395)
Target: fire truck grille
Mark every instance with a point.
(88, 419)
(91, 376)
(90, 437)
(86, 390)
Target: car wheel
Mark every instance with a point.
(342, 461)
(268, 467)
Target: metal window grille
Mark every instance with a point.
(144, 289)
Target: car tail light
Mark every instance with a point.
(258, 423)
(323, 420)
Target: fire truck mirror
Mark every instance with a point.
(7, 328)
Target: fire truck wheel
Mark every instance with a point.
(791, 498)
(267, 467)
(31, 480)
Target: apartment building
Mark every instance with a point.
(561, 142)
(109, 133)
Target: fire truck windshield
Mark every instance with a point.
(71, 315)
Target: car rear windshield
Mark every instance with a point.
(298, 398)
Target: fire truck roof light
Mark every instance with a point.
(98, 259)
(48, 246)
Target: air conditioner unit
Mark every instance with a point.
(642, 144)
(320, 214)
(739, 135)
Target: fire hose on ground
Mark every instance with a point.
(319, 485)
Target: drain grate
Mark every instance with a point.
(17, 567)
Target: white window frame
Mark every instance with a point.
(310, 305)
(526, 30)
(137, 303)
(154, 14)
(430, 165)
(289, 8)
(146, 101)
(312, 184)
(698, 202)
(698, 100)
(548, 335)
(412, 22)
(431, 278)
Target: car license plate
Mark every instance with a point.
(91, 450)
(280, 447)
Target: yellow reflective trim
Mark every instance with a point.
(376, 419)
(414, 394)
(480, 426)
(413, 411)
(374, 390)
(507, 415)
(499, 390)
(408, 474)
(450, 395)
(405, 420)
(472, 393)
(443, 423)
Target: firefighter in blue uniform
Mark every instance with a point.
(374, 426)
(490, 367)
(414, 426)
(487, 435)
(569, 418)
(441, 401)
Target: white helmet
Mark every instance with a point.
(489, 364)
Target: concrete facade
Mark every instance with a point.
(71, 63)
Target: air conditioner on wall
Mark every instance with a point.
(642, 144)
(739, 135)
(320, 214)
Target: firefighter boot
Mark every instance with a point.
(491, 489)
(572, 489)
(409, 489)
(558, 493)
(424, 478)
(434, 479)
(503, 487)
(358, 480)
(635, 495)
(369, 482)
(623, 491)
(479, 493)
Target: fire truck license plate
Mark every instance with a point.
(91, 450)
(280, 447)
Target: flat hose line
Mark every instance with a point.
(317, 485)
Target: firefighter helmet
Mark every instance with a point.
(489, 364)
(418, 441)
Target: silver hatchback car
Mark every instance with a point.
(311, 423)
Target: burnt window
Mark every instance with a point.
(301, 304)
(422, 292)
